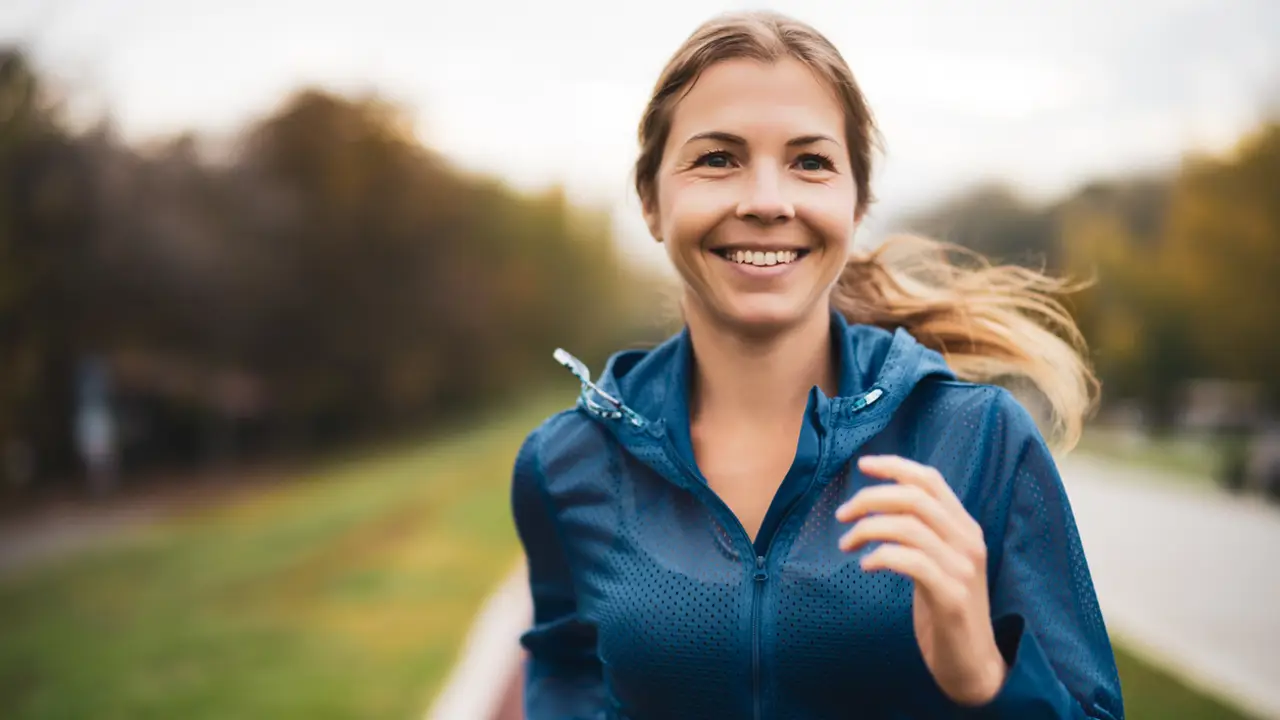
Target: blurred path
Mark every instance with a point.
(29, 542)
(1187, 576)
(51, 528)
(485, 683)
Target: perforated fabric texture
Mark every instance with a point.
(650, 600)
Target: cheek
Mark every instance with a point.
(691, 211)
(829, 214)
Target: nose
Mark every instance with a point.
(765, 201)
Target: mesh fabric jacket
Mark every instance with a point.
(651, 602)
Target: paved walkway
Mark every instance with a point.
(1187, 576)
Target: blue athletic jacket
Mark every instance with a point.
(651, 601)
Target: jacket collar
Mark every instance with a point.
(643, 395)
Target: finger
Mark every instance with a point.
(909, 531)
(918, 566)
(910, 472)
(900, 499)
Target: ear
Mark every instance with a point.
(858, 217)
(651, 219)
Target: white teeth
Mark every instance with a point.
(762, 258)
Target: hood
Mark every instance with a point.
(642, 395)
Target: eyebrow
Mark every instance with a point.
(730, 138)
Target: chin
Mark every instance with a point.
(756, 316)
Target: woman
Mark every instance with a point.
(808, 504)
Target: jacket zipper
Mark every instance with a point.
(760, 577)
(761, 574)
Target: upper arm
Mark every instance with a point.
(563, 673)
(1040, 576)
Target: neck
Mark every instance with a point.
(758, 378)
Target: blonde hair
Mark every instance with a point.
(998, 324)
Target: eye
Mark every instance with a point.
(718, 159)
(815, 162)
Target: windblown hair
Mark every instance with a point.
(999, 324)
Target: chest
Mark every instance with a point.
(745, 467)
(679, 604)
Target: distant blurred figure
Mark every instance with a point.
(95, 428)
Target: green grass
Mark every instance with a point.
(1150, 693)
(343, 594)
(340, 595)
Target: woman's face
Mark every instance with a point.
(755, 196)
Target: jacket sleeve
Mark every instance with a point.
(563, 675)
(1048, 624)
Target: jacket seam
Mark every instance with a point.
(1007, 500)
(554, 513)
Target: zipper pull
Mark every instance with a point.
(863, 402)
(761, 575)
(580, 371)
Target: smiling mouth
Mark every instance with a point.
(760, 258)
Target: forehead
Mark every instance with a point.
(753, 98)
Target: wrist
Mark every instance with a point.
(988, 680)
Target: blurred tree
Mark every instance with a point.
(45, 291)
(1113, 233)
(1183, 268)
(411, 288)
(330, 279)
(995, 221)
(1223, 256)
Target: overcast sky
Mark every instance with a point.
(1045, 94)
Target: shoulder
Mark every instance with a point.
(528, 478)
(557, 444)
(546, 438)
(559, 469)
(986, 444)
(986, 418)
(994, 405)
